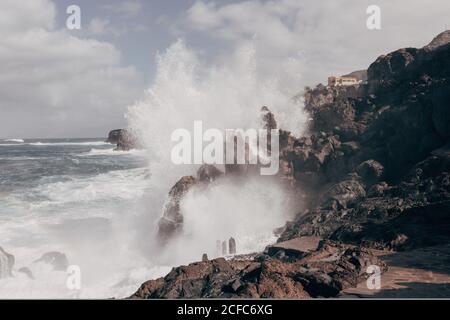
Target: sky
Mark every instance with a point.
(56, 82)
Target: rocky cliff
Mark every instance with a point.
(382, 169)
(373, 172)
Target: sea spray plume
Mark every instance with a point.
(226, 94)
(247, 209)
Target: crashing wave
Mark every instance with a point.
(14, 140)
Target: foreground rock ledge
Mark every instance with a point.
(321, 273)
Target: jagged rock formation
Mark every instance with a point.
(114, 135)
(171, 221)
(123, 138)
(324, 272)
(374, 170)
(172, 218)
(6, 263)
(394, 200)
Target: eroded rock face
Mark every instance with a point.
(440, 40)
(413, 213)
(6, 263)
(371, 171)
(387, 143)
(172, 218)
(343, 193)
(324, 272)
(114, 135)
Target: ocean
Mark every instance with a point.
(78, 197)
(101, 208)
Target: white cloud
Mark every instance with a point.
(313, 39)
(22, 15)
(98, 26)
(53, 83)
(103, 27)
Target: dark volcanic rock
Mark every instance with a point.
(371, 171)
(343, 193)
(114, 135)
(123, 138)
(411, 214)
(324, 272)
(441, 115)
(172, 218)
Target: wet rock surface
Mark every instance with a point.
(172, 218)
(124, 139)
(324, 272)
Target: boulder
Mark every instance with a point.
(350, 147)
(114, 136)
(371, 171)
(387, 69)
(125, 139)
(378, 190)
(344, 193)
(441, 114)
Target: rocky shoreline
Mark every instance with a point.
(373, 172)
(373, 176)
